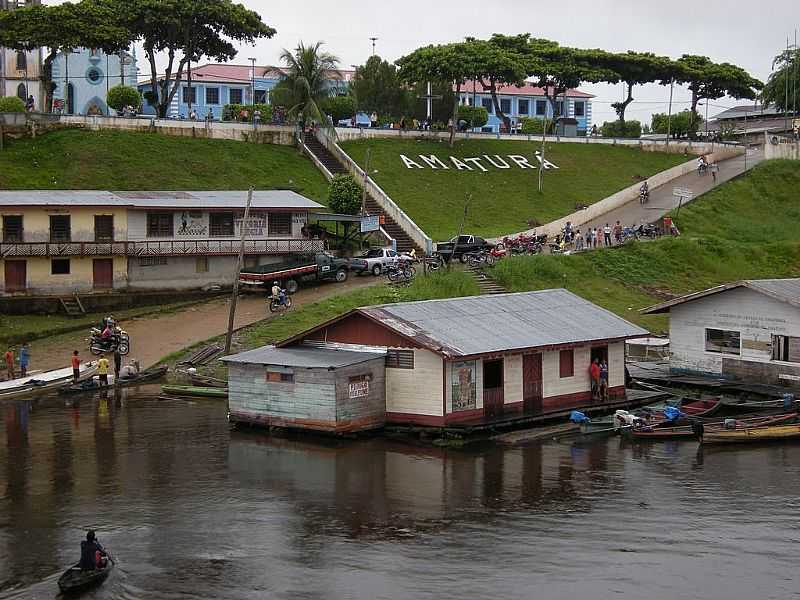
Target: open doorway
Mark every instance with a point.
(600, 392)
(493, 388)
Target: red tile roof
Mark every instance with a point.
(231, 72)
(513, 90)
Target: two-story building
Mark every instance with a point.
(57, 242)
(83, 77)
(528, 101)
(215, 85)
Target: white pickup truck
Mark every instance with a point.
(374, 260)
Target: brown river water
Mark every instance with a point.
(193, 510)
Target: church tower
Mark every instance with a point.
(20, 72)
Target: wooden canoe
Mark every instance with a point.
(683, 432)
(90, 385)
(192, 390)
(753, 434)
(75, 579)
(42, 382)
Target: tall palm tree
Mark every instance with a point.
(307, 81)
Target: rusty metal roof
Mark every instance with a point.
(302, 357)
(783, 290)
(503, 322)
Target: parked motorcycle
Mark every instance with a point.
(433, 262)
(119, 341)
(402, 271)
(476, 259)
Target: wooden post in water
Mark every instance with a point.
(239, 260)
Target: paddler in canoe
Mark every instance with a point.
(93, 555)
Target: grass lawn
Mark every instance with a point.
(748, 228)
(118, 160)
(503, 200)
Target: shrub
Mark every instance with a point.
(619, 129)
(11, 104)
(232, 112)
(344, 195)
(121, 96)
(475, 116)
(338, 107)
(533, 125)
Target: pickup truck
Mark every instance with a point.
(465, 245)
(292, 271)
(374, 260)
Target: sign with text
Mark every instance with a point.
(256, 225)
(359, 389)
(370, 223)
(482, 163)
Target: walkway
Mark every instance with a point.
(153, 338)
(661, 199)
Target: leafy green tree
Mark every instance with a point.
(500, 64)
(708, 80)
(338, 107)
(344, 195)
(377, 87)
(306, 84)
(121, 96)
(187, 31)
(621, 129)
(533, 125)
(637, 68)
(785, 75)
(475, 116)
(682, 124)
(233, 112)
(64, 27)
(11, 104)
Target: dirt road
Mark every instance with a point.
(155, 337)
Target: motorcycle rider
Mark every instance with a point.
(644, 192)
(278, 293)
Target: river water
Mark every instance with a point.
(193, 510)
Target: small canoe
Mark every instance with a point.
(75, 579)
(42, 382)
(205, 381)
(738, 406)
(683, 432)
(93, 385)
(192, 390)
(755, 434)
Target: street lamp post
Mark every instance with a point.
(373, 40)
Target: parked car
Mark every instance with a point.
(290, 272)
(362, 120)
(461, 245)
(374, 260)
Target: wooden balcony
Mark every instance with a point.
(159, 248)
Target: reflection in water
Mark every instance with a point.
(192, 509)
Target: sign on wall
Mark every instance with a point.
(463, 384)
(191, 224)
(256, 225)
(370, 223)
(482, 163)
(359, 389)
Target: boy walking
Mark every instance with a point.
(102, 370)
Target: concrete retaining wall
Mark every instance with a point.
(283, 135)
(776, 146)
(631, 193)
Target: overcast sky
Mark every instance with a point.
(748, 34)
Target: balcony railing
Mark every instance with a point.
(160, 248)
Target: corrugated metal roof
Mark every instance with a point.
(784, 290)
(302, 357)
(157, 199)
(503, 322)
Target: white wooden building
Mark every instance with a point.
(746, 330)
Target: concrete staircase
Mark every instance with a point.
(402, 239)
(486, 284)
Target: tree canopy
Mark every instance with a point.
(637, 68)
(377, 87)
(708, 80)
(307, 81)
(786, 76)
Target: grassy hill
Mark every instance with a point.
(503, 200)
(746, 229)
(119, 160)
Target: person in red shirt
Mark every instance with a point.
(10, 363)
(594, 372)
(76, 366)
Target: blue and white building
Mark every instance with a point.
(215, 85)
(528, 101)
(84, 76)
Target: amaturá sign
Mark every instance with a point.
(480, 163)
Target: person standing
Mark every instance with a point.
(10, 363)
(595, 237)
(373, 119)
(24, 359)
(102, 370)
(76, 366)
(117, 365)
(594, 374)
(578, 240)
(604, 381)
(30, 104)
(618, 232)
(607, 235)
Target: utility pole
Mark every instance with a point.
(364, 186)
(239, 260)
(373, 40)
(786, 81)
(253, 88)
(122, 67)
(669, 113)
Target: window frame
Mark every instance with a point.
(21, 61)
(156, 231)
(152, 261)
(781, 346)
(488, 105)
(209, 90)
(225, 229)
(543, 104)
(275, 227)
(576, 104)
(56, 239)
(721, 349)
(239, 91)
(201, 264)
(566, 363)
(104, 238)
(505, 106)
(7, 239)
(279, 376)
(527, 103)
(60, 261)
(399, 358)
(185, 94)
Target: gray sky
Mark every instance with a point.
(748, 34)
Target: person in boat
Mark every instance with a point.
(93, 555)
